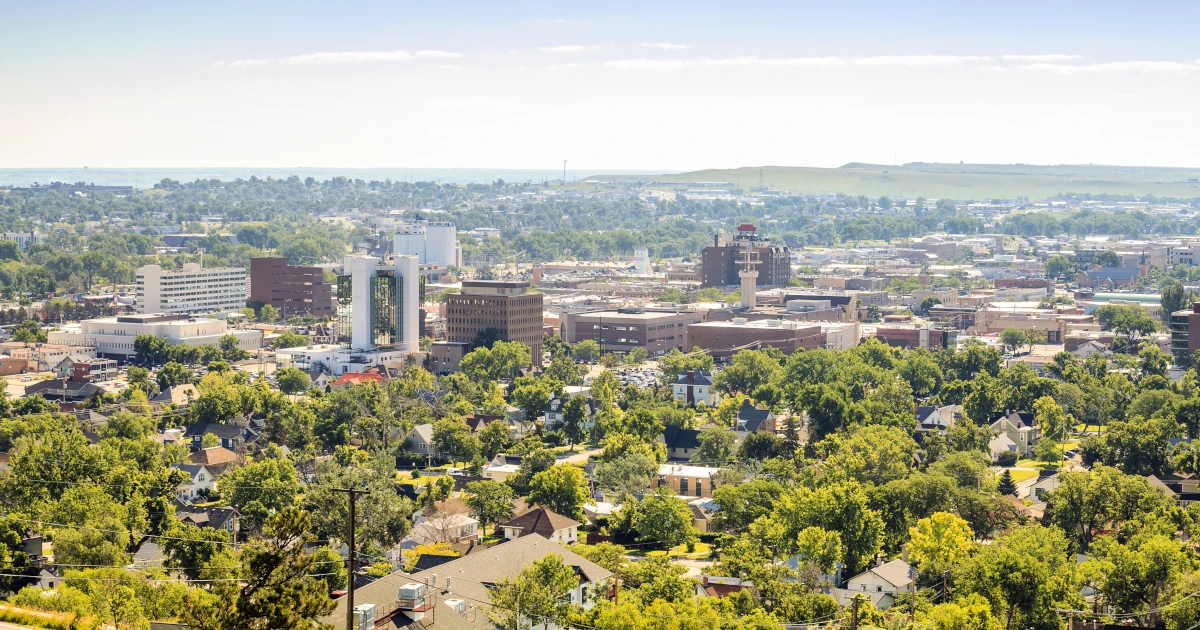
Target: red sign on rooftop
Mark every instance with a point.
(747, 227)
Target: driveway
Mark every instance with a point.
(578, 457)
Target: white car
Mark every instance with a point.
(456, 472)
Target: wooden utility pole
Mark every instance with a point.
(353, 494)
(854, 613)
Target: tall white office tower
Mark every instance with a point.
(379, 303)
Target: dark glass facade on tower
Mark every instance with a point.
(386, 296)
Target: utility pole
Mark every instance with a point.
(564, 172)
(353, 494)
(854, 613)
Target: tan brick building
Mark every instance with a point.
(510, 308)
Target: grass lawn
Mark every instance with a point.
(1067, 446)
(680, 551)
(1029, 463)
(1019, 475)
(1090, 428)
(407, 480)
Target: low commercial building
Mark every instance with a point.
(336, 359)
(113, 337)
(912, 336)
(43, 357)
(724, 339)
(621, 330)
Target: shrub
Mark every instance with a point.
(1007, 458)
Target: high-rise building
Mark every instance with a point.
(430, 242)
(510, 310)
(724, 260)
(378, 303)
(292, 290)
(1185, 334)
(192, 289)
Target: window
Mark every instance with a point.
(683, 485)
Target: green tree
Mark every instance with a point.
(631, 473)
(665, 518)
(289, 339)
(1107, 258)
(191, 549)
(1058, 267)
(715, 446)
(1007, 487)
(268, 313)
(490, 501)
(749, 370)
(1013, 338)
(231, 350)
(536, 596)
(276, 590)
(494, 438)
(562, 489)
(499, 361)
(1026, 575)
(292, 380)
(940, 542)
(565, 371)
(173, 374)
(575, 414)
(586, 350)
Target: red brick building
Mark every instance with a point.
(292, 290)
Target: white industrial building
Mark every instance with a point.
(113, 337)
(192, 289)
(430, 242)
(24, 239)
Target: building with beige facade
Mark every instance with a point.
(192, 289)
(113, 337)
(621, 330)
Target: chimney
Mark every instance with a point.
(706, 580)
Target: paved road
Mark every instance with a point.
(9, 626)
(579, 457)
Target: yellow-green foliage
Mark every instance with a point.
(38, 618)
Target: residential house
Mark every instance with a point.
(229, 436)
(63, 390)
(179, 395)
(1185, 489)
(200, 479)
(1000, 444)
(501, 467)
(939, 419)
(718, 586)
(556, 408)
(350, 379)
(217, 459)
(680, 443)
(1019, 427)
(703, 512)
(688, 481)
(751, 419)
(881, 583)
(419, 440)
(217, 518)
(445, 528)
(545, 523)
(1044, 486)
(461, 589)
(695, 386)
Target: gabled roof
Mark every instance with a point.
(541, 521)
(752, 417)
(897, 573)
(676, 437)
(423, 431)
(212, 456)
(177, 394)
(1122, 274)
(355, 378)
(695, 377)
(224, 431)
(924, 412)
(74, 389)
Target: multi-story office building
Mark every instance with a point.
(509, 309)
(726, 257)
(724, 339)
(192, 289)
(379, 303)
(1185, 334)
(292, 290)
(113, 337)
(24, 239)
(621, 330)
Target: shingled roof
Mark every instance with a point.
(541, 521)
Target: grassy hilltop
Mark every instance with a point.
(959, 181)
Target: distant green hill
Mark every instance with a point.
(959, 181)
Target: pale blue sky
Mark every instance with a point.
(617, 84)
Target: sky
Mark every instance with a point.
(668, 86)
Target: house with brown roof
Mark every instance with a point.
(545, 523)
(350, 379)
(217, 459)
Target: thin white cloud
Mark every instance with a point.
(810, 62)
(649, 64)
(570, 48)
(665, 46)
(1160, 67)
(322, 58)
(917, 60)
(1041, 58)
(678, 64)
(992, 68)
